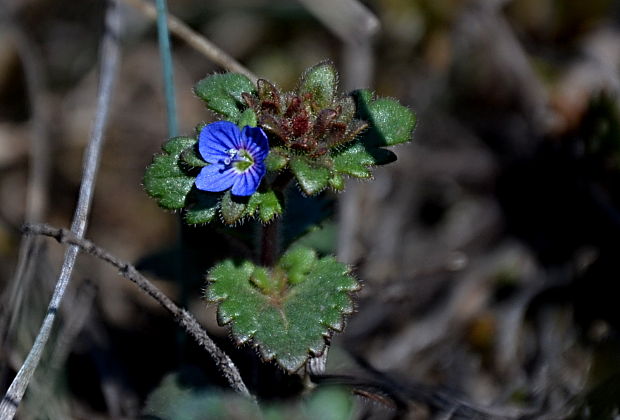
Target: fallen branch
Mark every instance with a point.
(182, 317)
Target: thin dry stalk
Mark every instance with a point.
(194, 39)
(182, 317)
(38, 173)
(110, 54)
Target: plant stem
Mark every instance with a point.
(269, 243)
(270, 232)
(166, 61)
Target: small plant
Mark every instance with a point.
(288, 302)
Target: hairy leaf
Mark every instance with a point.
(311, 176)
(222, 93)
(267, 204)
(233, 207)
(203, 208)
(390, 122)
(288, 316)
(336, 181)
(191, 158)
(354, 161)
(248, 117)
(320, 83)
(277, 159)
(164, 179)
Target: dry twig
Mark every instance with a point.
(184, 318)
(194, 39)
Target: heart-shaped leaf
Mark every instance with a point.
(164, 179)
(288, 311)
(222, 93)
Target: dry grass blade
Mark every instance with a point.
(38, 173)
(110, 54)
(194, 39)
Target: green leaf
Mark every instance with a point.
(203, 208)
(354, 161)
(276, 159)
(233, 207)
(320, 82)
(298, 263)
(199, 127)
(311, 177)
(262, 278)
(164, 179)
(330, 403)
(390, 122)
(191, 158)
(320, 238)
(268, 204)
(186, 395)
(336, 181)
(248, 117)
(288, 324)
(347, 109)
(222, 93)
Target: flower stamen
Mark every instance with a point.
(243, 161)
(232, 153)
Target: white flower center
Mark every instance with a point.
(232, 153)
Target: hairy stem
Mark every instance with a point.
(269, 243)
(270, 232)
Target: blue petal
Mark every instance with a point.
(248, 182)
(216, 178)
(256, 142)
(216, 139)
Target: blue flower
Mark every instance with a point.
(236, 158)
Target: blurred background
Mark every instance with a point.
(488, 252)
